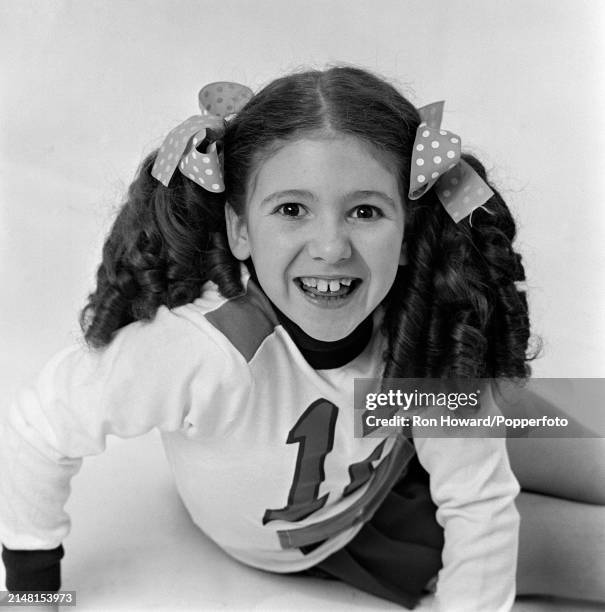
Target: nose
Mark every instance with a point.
(330, 242)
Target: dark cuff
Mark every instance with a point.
(33, 570)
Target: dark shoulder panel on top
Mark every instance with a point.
(245, 320)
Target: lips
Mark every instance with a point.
(327, 287)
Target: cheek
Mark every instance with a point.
(388, 264)
(383, 249)
(271, 253)
(274, 241)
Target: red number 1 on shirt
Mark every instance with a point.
(314, 433)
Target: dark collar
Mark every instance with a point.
(321, 355)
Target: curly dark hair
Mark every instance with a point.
(454, 310)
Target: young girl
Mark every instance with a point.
(277, 247)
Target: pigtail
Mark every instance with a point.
(456, 310)
(165, 243)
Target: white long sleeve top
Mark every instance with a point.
(259, 444)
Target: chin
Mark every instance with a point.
(329, 334)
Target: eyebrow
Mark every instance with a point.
(351, 195)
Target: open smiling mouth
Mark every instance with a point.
(327, 289)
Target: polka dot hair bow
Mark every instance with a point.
(182, 147)
(436, 161)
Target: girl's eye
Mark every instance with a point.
(290, 209)
(365, 211)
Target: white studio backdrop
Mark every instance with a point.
(90, 86)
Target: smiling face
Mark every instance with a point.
(324, 227)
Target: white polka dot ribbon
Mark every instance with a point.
(183, 147)
(436, 161)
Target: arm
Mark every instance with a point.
(474, 489)
(147, 377)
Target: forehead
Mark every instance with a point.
(333, 162)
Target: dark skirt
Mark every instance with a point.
(398, 551)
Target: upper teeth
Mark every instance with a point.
(323, 284)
